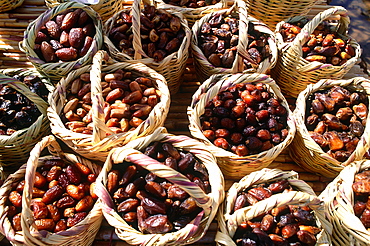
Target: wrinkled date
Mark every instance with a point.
(161, 33)
(191, 3)
(219, 37)
(361, 189)
(336, 120)
(66, 37)
(153, 204)
(16, 110)
(128, 102)
(61, 196)
(323, 44)
(245, 119)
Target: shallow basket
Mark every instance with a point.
(105, 8)
(56, 70)
(7, 5)
(292, 72)
(303, 195)
(305, 151)
(204, 69)
(98, 145)
(232, 165)
(82, 233)
(339, 199)
(172, 67)
(208, 202)
(15, 149)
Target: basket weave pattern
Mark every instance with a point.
(6, 5)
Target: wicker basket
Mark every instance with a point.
(98, 145)
(208, 202)
(204, 69)
(15, 149)
(305, 151)
(339, 200)
(82, 233)
(172, 67)
(55, 71)
(7, 5)
(105, 8)
(229, 222)
(292, 72)
(232, 165)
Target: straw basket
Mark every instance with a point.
(98, 145)
(15, 149)
(55, 71)
(6, 5)
(105, 8)
(208, 202)
(192, 14)
(272, 12)
(172, 67)
(339, 200)
(204, 69)
(232, 165)
(302, 195)
(82, 233)
(292, 72)
(305, 151)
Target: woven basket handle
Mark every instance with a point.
(136, 13)
(240, 6)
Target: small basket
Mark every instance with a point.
(7, 5)
(98, 145)
(302, 195)
(339, 200)
(204, 69)
(55, 71)
(15, 149)
(105, 8)
(292, 72)
(82, 233)
(171, 67)
(305, 151)
(208, 202)
(232, 165)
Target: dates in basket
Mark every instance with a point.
(128, 101)
(336, 120)
(161, 33)
(191, 3)
(153, 204)
(361, 188)
(323, 45)
(285, 225)
(245, 119)
(62, 196)
(66, 37)
(16, 110)
(219, 37)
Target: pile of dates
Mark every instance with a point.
(324, 45)
(161, 33)
(16, 110)
(191, 3)
(219, 37)
(286, 225)
(66, 37)
(361, 189)
(245, 119)
(336, 120)
(62, 196)
(153, 204)
(128, 101)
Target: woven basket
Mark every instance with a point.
(7, 5)
(82, 233)
(55, 71)
(305, 151)
(292, 72)
(339, 200)
(208, 202)
(232, 165)
(204, 69)
(172, 67)
(302, 195)
(98, 145)
(15, 149)
(105, 8)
